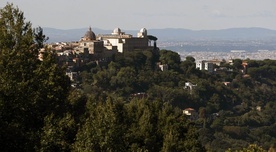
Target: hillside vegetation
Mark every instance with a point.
(130, 104)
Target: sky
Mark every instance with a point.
(151, 14)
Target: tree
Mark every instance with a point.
(190, 58)
(30, 89)
(188, 66)
(39, 37)
(103, 129)
(16, 69)
(252, 147)
(125, 80)
(171, 58)
(237, 63)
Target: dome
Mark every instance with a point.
(142, 33)
(116, 31)
(89, 35)
(143, 30)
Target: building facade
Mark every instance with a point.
(125, 42)
(205, 65)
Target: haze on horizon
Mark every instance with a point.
(130, 14)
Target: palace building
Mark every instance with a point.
(92, 46)
(125, 42)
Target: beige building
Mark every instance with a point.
(125, 42)
(105, 45)
(91, 48)
(88, 45)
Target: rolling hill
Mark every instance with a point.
(172, 34)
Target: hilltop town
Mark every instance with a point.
(98, 48)
(101, 48)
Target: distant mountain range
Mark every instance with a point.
(171, 34)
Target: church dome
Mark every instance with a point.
(89, 35)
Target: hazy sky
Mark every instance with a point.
(135, 14)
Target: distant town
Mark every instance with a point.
(100, 48)
(242, 43)
(234, 54)
(223, 49)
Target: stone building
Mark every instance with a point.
(88, 45)
(105, 45)
(91, 48)
(125, 42)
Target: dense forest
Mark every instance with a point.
(129, 104)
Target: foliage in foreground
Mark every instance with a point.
(38, 112)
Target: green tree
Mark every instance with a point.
(39, 37)
(58, 133)
(171, 58)
(30, 89)
(237, 63)
(252, 147)
(125, 80)
(103, 128)
(188, 66)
